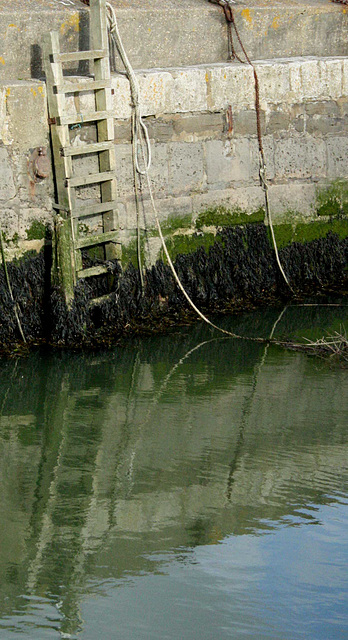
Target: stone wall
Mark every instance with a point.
(199, 162)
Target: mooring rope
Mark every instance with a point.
(141, 139)
(7, 278)
(229, 15)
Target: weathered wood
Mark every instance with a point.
(91, 241)
(65, 275)
(107, 161)
(93, 209)
(79, 55)
(86, 117)
(85, 149)
(92, 271)
(79, 87)
(69, 252)
(92, 178)
(64, 264)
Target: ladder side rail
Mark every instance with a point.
(62, 169)
(59, 133)
(105, 128)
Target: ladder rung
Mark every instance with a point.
(93, 209)
(90, 241)
(92, 178)
(77, 87)
(86, 148)
(92, 271)
(81, 118)
(94, 301)
(95, 54)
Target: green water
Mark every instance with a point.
(180, 487)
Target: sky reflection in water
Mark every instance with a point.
(171, 490)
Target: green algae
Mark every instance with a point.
(309, 231)
(283, 234)
(182, 244)
(333, 200)
(37, 230)
(223, 217)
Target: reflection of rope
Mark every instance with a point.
(228, 11)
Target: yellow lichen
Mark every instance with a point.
(72, 24)
(247, 15)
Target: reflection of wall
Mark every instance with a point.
(120, 458)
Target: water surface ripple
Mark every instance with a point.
(181, 487)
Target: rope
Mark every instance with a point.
(15, 308)
(141, 139)
(139, 125)
(228, 11)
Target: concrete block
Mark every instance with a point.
(325, 125)
(188, 91)
(277, 121)
(322, 79)
(123, 131)
(186, 171)
(9, 219)
(268, 148)
(228, 161)
(153, 248)
(121, 98)
(288, 201)
(302, 157)
(158, 171)
(227, 85)
(337, 149)
(124, 169)
(161, 129)
(295, 78)
(26, 114)
(159, 175)
(345, 76)
(298, 117)
(86, 164)
(173, 207)
(332, 71)
(244, 122)
(156, 91)
(28, 215)
(201, 126)
(324, 118)
(322, 108)
(7, 186)
(229, 198)
(167, 34)
(342, 104)
(274, 82)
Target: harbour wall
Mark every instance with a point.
(200, 159)
(201, 118)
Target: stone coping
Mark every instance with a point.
(175, 33)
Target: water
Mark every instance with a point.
(181, 487)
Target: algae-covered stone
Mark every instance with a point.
(333, 201)
(223, 217)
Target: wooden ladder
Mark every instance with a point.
(68, 240)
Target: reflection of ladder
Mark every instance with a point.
(102, 210)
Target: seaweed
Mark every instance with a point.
(238, 270)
